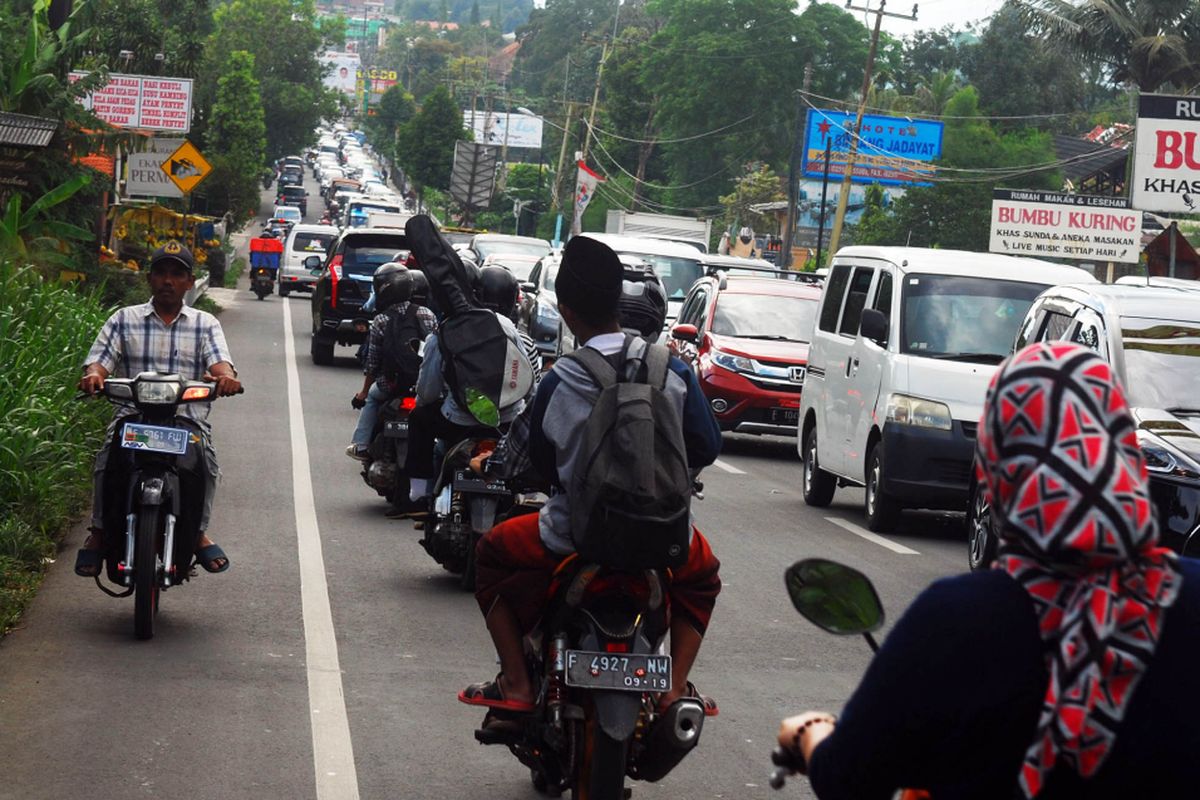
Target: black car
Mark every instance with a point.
(290, 195)
(345, 284)
(1151, 336)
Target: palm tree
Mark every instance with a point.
(1150, 44)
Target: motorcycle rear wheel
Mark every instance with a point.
(145, 572)
(600, 774)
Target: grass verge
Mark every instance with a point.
(234, 271)
(47, 438)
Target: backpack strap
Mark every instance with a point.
(595, 365)
(655, 358)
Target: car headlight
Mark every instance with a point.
(1161, 460)
(733, 363)
(547, 311)
(905, 410)
(157, 391)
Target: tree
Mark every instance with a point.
(426, 147)
(236, 139)
(758, 185)
(1150, 44)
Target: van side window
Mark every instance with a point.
(856, 300)
(1087, 331)
(883, 294)
(835, 288)
(1033, 322)
(1056, 326)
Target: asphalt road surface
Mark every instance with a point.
(325, 662)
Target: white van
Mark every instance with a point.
(906, 341)
(302, 241)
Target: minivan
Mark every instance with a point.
(303, 240)
(906, 341)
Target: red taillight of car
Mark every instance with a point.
(335, 274)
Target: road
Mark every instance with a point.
(325, 662)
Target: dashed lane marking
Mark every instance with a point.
(730, 468)
(872, 537)
(333, 753)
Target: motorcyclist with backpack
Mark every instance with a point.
(392, 363)
(438, 413)
(515, 561)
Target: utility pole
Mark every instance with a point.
(799, 137)
(562, 157)
(844, 197)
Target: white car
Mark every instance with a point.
(291, 214)
(906, 340)
(302, 241)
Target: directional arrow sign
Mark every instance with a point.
(186, 167)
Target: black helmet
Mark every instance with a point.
(642, 306)
(393, 284)
(420, 287)
(497, 290)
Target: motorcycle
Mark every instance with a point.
(383, 470)
(842, 601)
(154, 454)
(600, 662)
(264, 265)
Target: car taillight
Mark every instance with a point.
(335, 275)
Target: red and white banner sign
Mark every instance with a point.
(586, 182)
(1076, 226)
(1166, 159)
(144, 102)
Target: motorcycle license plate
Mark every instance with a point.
(785, 416)
(155, 438)
(467, 481)
(396, 428)
(625, 672)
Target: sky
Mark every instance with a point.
(930, 13)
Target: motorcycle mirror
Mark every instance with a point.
(834, 597)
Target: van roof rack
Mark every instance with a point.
(722, 270)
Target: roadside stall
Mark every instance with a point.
(137, 230)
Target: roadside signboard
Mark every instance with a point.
(515, 130)
(1074, 226)
(143, 102)
(1166, 156)
(186, 167)
(891, 150)
(342, 74)
(144, 177)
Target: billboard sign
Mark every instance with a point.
(1166, 157)
(342, 73)
(515, 130)
(1074, 226)
(144, 102)
(896, 151)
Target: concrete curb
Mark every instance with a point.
(197, 291)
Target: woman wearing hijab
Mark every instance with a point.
(1068, 669)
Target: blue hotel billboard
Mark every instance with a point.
(894, 151)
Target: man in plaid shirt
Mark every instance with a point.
(164, 336)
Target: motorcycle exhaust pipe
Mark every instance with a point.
(671, 737)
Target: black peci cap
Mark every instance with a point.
(589, 278)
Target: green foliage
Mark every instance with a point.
(758, 185)
(396, 108)
(426, 146)
(35, 229)
(236, 139)
(47, 439)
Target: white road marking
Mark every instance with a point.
(333, 754)
(730, 468)
(873, 537)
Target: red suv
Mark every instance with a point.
(747, 340)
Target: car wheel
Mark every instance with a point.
(819, 485)
(283, 291)
(322, 351)
(882, 509)
(981, 543)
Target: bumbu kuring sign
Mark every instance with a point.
(1166, 159)
(1075, 226)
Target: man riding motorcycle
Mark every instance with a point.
(166, 336)
(438, 414)
(515, 561)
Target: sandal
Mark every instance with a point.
(88, 562)
(490, 694)
(205, 556)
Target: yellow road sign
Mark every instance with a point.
(186, 167)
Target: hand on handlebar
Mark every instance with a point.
(226, 384)
(91, 383)
(479, 461)
(359, 401)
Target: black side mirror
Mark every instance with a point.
(834, 597)
(528, 287)
(874, 326)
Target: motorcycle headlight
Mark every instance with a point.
(905, 410)
(733, 363)
(157, 392)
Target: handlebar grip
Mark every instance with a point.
(786, 763)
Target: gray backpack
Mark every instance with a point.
(632, 492)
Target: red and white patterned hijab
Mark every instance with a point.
(1058, 454)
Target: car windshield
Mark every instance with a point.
(486, 248)
(518, 267)
(364, 254)
(284, 212)
(761, 316)
(1162, 362)
(676, 273)
(312, 243)
(962, 317)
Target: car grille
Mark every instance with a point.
(790, 388)
(969, 429)
(953, 471)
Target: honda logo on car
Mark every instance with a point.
(1167, 154)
